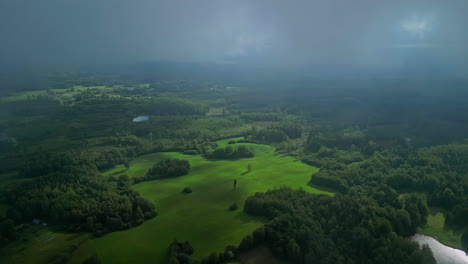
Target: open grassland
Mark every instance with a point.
(41, 245)
(201, 217)
(141, 164)
(435, 228)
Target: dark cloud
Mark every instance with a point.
(359, 32)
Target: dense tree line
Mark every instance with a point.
(289, 128)
(199, 145)
(108, 157)
(71, 193)
(439, 171)
(167, 168)
(261, 116)
(230, 152)
(109, 152)
(307, 228)
(172, 106)
(332, 137)
(268, 135)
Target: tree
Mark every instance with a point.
(166, 169)
(246, 243)
(139, 213)
(258, 235)
(179, 252)
(233, 207)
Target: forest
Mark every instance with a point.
(234, 132)
(72, 157)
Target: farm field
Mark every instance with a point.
(201, 217)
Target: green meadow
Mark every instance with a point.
(41, 245)
(435, 228)
(201, 217)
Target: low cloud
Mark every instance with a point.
(269, 32)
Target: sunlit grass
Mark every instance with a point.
(202, 217)
(435, 228)
(63, 93)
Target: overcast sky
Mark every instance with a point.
(288, 32)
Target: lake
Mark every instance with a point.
(442, 253)
(140, 118)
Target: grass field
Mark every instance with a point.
(202, 217)
(435, 228)
(141, 164)
(41, 245)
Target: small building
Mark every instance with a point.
(36, 221)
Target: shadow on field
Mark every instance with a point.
(243, 217)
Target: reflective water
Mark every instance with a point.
(442, 253)
(140, 118)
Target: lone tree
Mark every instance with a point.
(235, 183)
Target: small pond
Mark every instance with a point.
(140, 118)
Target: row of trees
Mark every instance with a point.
(289, 128)
(439, 171)
(167, 168)
(230, 152)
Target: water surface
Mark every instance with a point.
(442, 253)
(140, 118)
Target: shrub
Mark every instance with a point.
(233, 207)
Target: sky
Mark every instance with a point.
(368, 33)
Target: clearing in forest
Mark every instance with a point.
(201, 217)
